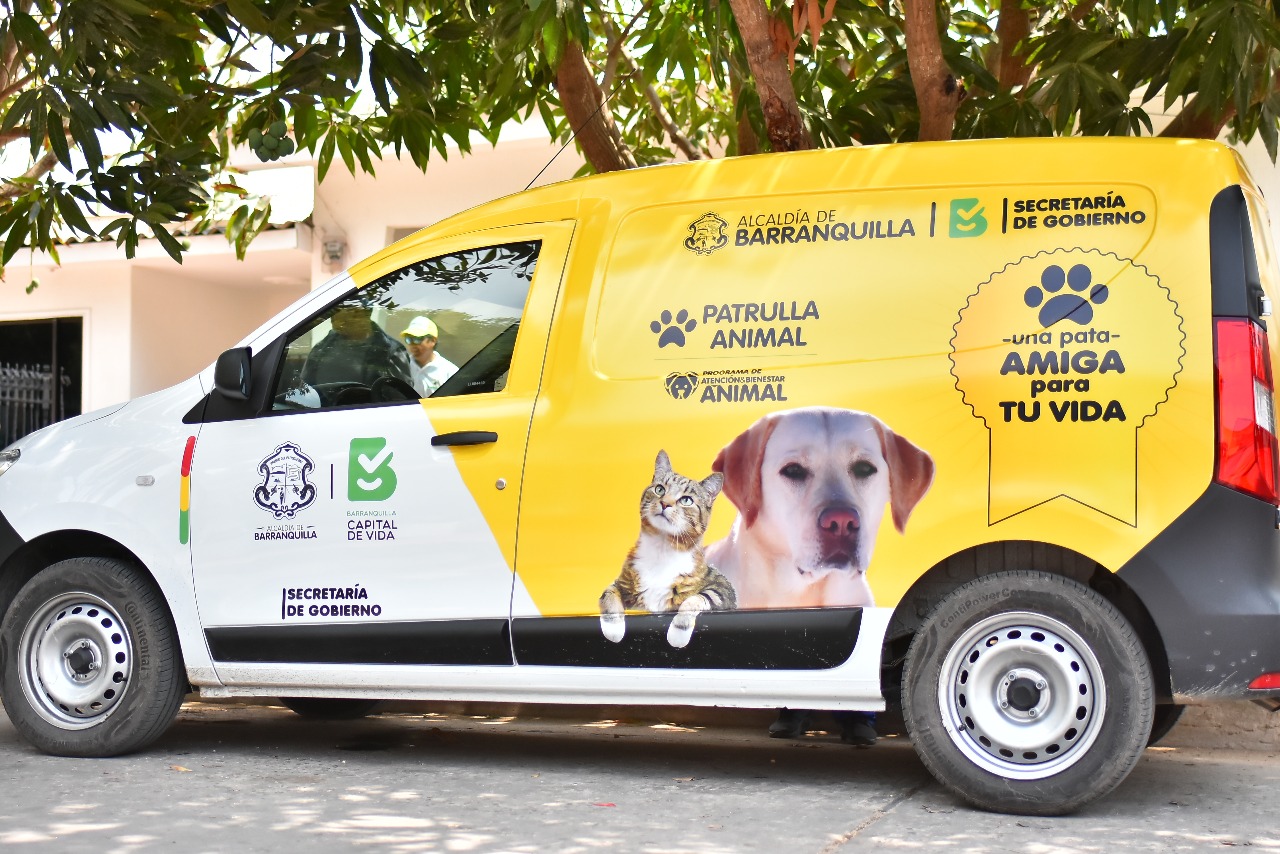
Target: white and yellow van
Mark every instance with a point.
(985, 428)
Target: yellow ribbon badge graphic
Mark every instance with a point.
(1064, 355)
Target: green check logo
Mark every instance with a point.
(966, 218)
(369, 473)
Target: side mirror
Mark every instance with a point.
(231, 374)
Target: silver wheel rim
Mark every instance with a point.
(1022, 695)
(75, 656)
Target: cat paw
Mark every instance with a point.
(678, 636)
(613, 627)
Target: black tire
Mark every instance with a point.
(89, 660)
(1166, 715)
(1028, 693)
(330, 708)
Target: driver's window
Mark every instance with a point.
(438, 327)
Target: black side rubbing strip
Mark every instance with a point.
(472, 642)
(799, 639)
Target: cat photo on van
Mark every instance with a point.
(811, 486)
(666, 570)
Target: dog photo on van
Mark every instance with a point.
(666, 570)
(811, 486)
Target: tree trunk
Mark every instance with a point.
(1196, 123)
(783, 123)
(588, 114)
(1012, 69)
(748, 142)
(938, 93)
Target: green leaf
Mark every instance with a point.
(72, 215)
(326, 154)
(169, 242)
(344, 148)
(58, 140)
(248, 14)
(18, 231)
(553, 42)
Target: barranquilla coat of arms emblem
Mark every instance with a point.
(285, 489)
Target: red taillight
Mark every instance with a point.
(1247, 452)
(1266, 682)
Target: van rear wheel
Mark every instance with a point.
(90, 660)
(1028, 693)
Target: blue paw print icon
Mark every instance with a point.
(1074, 304)
(671, 330)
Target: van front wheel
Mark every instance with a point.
(89, 660)
(1029, 693)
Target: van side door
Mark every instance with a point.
(365, 512)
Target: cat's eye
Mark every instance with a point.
(794, 471)
(862, 468)
(659, 491)
(686, 501)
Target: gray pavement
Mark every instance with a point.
(258, 778)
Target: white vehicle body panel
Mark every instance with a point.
(423, 553)
(87, 474)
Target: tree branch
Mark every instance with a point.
(42, 167)
(9, 51)
(1080, 12)
(588, 113)
(619, 54)
(626, 31)
(782, 120)
(6, 91)
(1194, 121)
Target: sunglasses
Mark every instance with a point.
(416, 339)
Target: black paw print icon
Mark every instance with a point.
(1074, 305)
(671, 330)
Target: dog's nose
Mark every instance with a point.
(838, 523)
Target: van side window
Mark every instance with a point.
(439, 327)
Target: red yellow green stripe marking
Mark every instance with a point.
(184, 493)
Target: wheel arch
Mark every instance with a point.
(989, 558)
(54, 546)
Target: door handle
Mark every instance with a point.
(465, 437)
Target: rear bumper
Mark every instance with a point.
(1211, 582)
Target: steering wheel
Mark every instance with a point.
(386, 389)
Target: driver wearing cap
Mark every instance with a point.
(430, 369)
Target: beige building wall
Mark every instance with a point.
(363, 212)
(182, 324)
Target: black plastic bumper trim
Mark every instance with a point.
(1211, 582)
